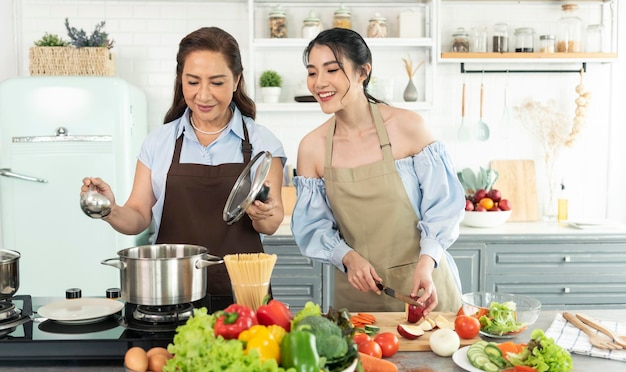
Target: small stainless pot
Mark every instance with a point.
(164, 274)
(9, 273)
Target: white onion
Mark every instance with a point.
(444, 342)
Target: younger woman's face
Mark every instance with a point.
(331, 87)
(208, 85)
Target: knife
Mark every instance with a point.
(404, 298)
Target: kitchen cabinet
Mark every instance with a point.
(468, 258)
(297, 279)
(542, 16)
(284, 55)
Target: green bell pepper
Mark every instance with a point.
(298, 351)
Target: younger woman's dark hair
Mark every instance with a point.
(216, 40)
(345, 43)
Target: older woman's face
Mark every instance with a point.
(208, 85)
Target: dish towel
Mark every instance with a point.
(576, 341)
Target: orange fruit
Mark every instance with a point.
(487, 203)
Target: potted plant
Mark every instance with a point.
(84, 54)
(271, 83)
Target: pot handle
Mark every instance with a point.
(118, 265)
(211, 260)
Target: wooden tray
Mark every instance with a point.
(388, 322)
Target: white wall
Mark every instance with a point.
(147, 33)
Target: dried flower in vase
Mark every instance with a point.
(408, 65)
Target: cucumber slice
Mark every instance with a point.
(490, 367)
(479, 361)
(495, 355)
(372, 328)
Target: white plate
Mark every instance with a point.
(460, 359)
(80, 310)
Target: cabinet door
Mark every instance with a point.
(468, 259)
(296, 279)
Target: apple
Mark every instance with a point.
(480, 208)
(478, 195)
(495, 209)
(410, 332)
(469, 206)
(495, 195)
(414, 313)
(504, 205)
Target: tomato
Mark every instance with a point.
(388, 342)
(486, 202)
(361, 337)
(466, 326)
(370, 348)
(460, 312)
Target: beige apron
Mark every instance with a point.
(376, 219)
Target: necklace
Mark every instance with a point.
(204, 132)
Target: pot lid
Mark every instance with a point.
(246, 191)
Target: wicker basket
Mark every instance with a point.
(71, 61)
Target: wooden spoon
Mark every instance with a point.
(620, 340)
(594, 338)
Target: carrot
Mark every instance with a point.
(367, 316)
(371, 364)
(509, 347)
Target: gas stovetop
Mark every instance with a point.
(108, 339)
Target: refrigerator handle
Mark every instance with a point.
(6, 172)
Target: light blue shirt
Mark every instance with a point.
(435, 193)
(158, 148)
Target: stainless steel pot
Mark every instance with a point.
(9, 273)
(164, 274)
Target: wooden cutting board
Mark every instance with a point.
(388, 322)
(517, 182)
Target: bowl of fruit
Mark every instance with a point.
(501, 315)
(486, 209)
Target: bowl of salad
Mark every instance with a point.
(501, 315)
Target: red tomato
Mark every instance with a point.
(360, 337)
(466, 326)
(388, 342)
(370, 348)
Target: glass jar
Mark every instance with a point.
(460, 40)
(546, 43)
(500, 39)
(570, 30)
(524, 40)
(377, 26)
(342, 18)
(311, 26)
(278, 23)
(593, 42)
(478, 40)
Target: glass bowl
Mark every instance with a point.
(527, 309)
(486, 218)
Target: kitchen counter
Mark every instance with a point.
(529, 229)
(406, 361)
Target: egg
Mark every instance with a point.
(136, 359)
(156, 362)
(158, 350)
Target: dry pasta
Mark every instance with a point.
(250, 275)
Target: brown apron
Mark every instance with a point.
(195, 196)
(376, 218)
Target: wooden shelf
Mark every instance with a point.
(512, 55)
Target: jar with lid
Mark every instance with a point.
(546, 43)
(278, 23)
(377, 26)
(311, 26)
(570, 30)
(342, 18)
(460, 40)
(500, 38)
(524, 40)
(478, 40)
(593, 42)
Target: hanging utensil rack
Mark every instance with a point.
(464, 70)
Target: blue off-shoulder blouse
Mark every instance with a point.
(434, 190)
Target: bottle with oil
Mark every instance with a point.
(562, 215)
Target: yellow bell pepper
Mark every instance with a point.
(260, 338)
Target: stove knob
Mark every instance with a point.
(73, 293)
(113, 293)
